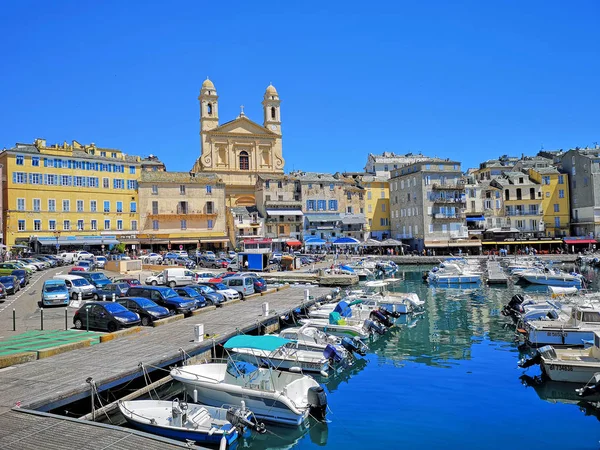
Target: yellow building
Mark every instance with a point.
(239, 150)
(70, 195)
(377, 206)
(555, 199)
(182, 210)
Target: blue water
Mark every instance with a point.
(446, 379)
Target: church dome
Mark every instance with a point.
(207, 84)
(271, 90)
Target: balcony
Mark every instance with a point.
(183, 213)
(513, 212)
(284, 219)
(450, 217)
(448, 186)
(447, 201)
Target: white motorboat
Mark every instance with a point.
(377, 294)
(188, 421)
(574, 331)
(282, 354)
(272, 395)
(310, 338)
(453, 273)
(342, 327)
(570, 365)
(551, 277)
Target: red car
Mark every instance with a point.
(77, 269)
(219, 277)
(129, 281)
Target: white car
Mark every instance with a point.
(210, 255)
(181, 253)
(204, 277)
(232, 254)
(100, 262)
(157, 279)
(229, 294)
(83, 255)
(151, 258)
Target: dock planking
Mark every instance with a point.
(50, 383)
(495, 273)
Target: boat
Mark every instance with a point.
(188, 421)
(574, 331)
(376, 293)
(283, 354)
(569, 364)
(310, 338)
(452, 273)
(551, 277)
(272, 395)
(342, 327)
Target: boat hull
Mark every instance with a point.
(456, 279)
(551, 281)
(569, 372)
(558, 337)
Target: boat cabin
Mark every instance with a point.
(582, 314)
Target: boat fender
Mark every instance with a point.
(317, 400)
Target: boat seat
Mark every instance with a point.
(200, 417)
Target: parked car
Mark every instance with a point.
(7, 268)
(164, 296)
(87, 265)
(108, 316)
(181, 253)
(100, 262)
(55, 292)
(185, 262)
(39, 265)
(152, 258)
(203, 277)
(83, 255)
(223, 255)
(169, 255)
(210, 254)
(145, 308)
(98, 279)
(221, 263)
(119, 289)
(211, 296)
(232, 254)
(244, 284)
(77, 269)
(50, 261)
(205, 261)
(275, 258)
(78, 285)
(3, 293)
(188, 292)
(260, 285)
(10, 283)
(22, 276)
(223, 289)
(130, 281)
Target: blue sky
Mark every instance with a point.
(464, 80)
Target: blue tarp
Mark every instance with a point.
(476, 219)
(343, 309)
(268, 343)
(348, 268)
(346, 240)
(314, 241)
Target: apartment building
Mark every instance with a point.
(69, 195)
(555, 199)
(382, 165)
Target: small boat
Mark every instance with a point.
(310, 338)
(281, 354)
(342, 327)
(376, 293)
(188, 421)
(574, 331)
(452, 273)
(568, 365)
(272, 395)
(551, 277)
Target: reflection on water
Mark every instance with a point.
(280, 437)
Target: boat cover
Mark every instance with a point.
(336, 319)
(347, 268)
(343, 309)
(240, 368)
(355, 302)
(267, 343)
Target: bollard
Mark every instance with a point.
(199, 332)
(114, 296)
(265, 308)
(14, 320)
(66, 319)
(79, 297)
(103, 297)
(87, 320)
(306, 295)
(42, 318)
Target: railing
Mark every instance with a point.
(523, 213)
(448, 216)
(447, 200)
(456, 186)
(179, 214)
(458, 235)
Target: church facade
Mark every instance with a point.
(241, 149)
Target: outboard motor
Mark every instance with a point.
(333, 354)
(354, 345)
(548, 350)
(375, 327)
(386, 313)
(515, 301)
(593, 388)
(317, 400)
(379, 317)
(237, 418)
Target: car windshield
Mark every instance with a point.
(220, 286)
(6, 279)
(170, 293)
(80, 282)
(192, 292)
(208, 289)
(100, 258)
(54, 288)
(115, 307)
(123, 286)
(98, 276)
(145, 303)
(83, 263)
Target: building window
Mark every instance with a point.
(182, 189)
(561, 179)
(119, 183)
(244, 161)
(209, 224)
(561, 193)
(210, 208)
(93, 205)
(107, 224)
(209, 189)
(154, 189)
(133, 207)
(19, 177)
(37, 225)
(106, 206)
(105, 183)
(155, 224)
(20, 204)
(267, 184)
(333, 205)
(66, 225)
(279, 185)
(209, 108)
(310, 205)
(119, 224)
(182, 208)
(349, 210)
(273, 112)
(66, 205)
(51, 205)
(52, 225)
(557, 222)
(383, 207)
(134, 225)
(546, 180)
(184, 224)
(331, 186)
(132, 170)
(369, 195)
(21, 225)
(20, 160)
(94, 225)
(35, 161)
(79, 205)
(119, 207)
(80, 225)
(155, 207)
(556, 207)
(321, 204)
(349, 195)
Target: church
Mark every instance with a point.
(241, 149)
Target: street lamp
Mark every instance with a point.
(57, 235)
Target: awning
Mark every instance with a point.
(293, 242)
(580, 241)
(350, 219)
(184, 241)
(314, 241)
(323, 217)
(436, 244)
(213, 240)
(284, 212)
(529, 242)
(476, 219)
(257, 241)
(78, 241)
(464, 244)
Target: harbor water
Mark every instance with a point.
(447, 378)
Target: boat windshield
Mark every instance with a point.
(240, 368)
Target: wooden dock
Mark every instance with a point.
(47, 384)
(495, 273)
